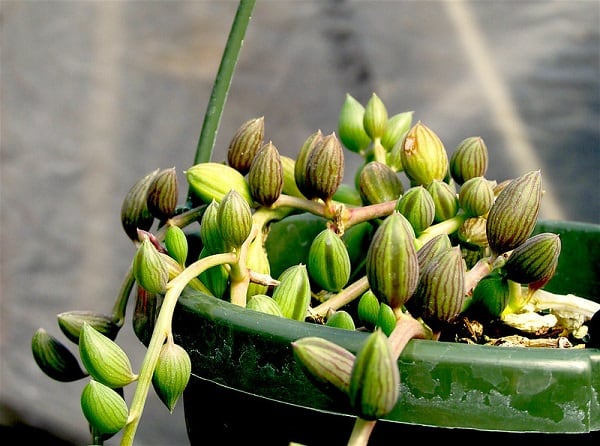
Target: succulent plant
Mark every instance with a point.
(301, 163)
(396, 129)
(265, 304)
(177, 244)
(534, 262)
(455, 241)
(491, 294)
(328, 365)
(368, 309)
(476, 196)
(71, 323)
(445, 200)
(341, 319)
(472, 233)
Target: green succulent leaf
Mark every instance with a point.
(104, 360)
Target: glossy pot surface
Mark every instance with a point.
(247, 387)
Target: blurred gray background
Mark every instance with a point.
(96, 94)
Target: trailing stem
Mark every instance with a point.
(162, 329)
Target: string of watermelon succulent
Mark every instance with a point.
(453, 242)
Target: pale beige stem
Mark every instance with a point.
(407, 328)
(481, 269)
(361, 432)
(342, 298)
(162, 329)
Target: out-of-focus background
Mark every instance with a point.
(96, 94)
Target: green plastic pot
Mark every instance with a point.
(247, 389)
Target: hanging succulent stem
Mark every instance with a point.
(204, 151)
(162, 329)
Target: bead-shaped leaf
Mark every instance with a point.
(392, 266)
(386, 319)
(264, 304)
(341, 319)
(350, 125)
(163, 194)
(71, 322)
(325, 363)
(171, 374)
(424, 157)
(379, 183)
(54, 358)
(444, 199)
(375, 118)
(324, 168)
(514, 214)
(535, 261)
(293, 292)
(104, 360)
(491, 294)
(440, 295)
(329, 261)
(246, 141)
(368, 309)
(234, 218)
(476, 196)
(149, 269)
(177, 244)
(469, 160)
(375, 379)
(266, 175)
(396, 129)
(103, 408)
(418, 207)
(211, 181)
(301, 163)
(134, 210)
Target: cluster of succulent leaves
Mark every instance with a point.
(453, 240)
(428, 247)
